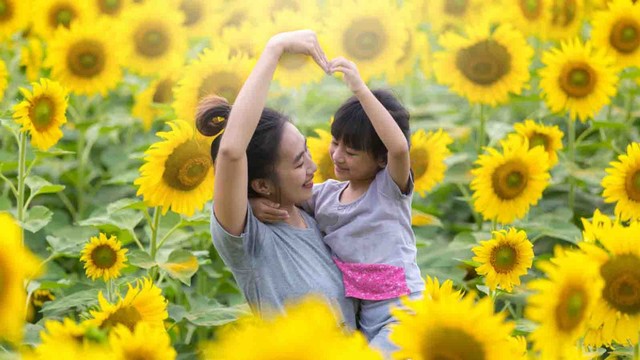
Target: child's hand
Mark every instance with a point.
(267, 211)
(301, 42)
(350, 71)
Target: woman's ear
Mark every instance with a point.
(262, 186)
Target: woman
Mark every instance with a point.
(261, 154)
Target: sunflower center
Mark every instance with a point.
(164, 92)
(571, 308)
(456, 7)
(622, 283)
(225, 84)
(485, 62)
(538, 139)
(104, 256)
(187, 166)
(509, 180)
(86, 58)
(110, 7)
(365, 39)
(419, 162)
(235, 20)
(563, 13)
(151, 40)
(531, 9)
(192, 10)
(127, 316)
(61, 15)
(452, 344)
(293, 61)
(624, 36)
(6, 10)
(577, 79)
(41, 113)
(632, 186)
(503, 258)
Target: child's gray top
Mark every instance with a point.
(277, 263)
(371, 238)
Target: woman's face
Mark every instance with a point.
(294, 168)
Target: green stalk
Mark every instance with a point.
(80, 179)
(154, 233)
(22, 175)
(481, 130)
(572, 158)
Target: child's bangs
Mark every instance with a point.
(352, 133)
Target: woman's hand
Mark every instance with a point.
(267, 211)
(351, 74)
(301, 42)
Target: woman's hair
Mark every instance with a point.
(262, 152)
(352, 125)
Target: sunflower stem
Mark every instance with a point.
(109, 284)
(80, 173)
(572, 158)
(469, 200)
(22, 176)
(636, 351)
(166, 236)
(154, 233)
(481, 130)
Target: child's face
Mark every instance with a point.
(352, 165)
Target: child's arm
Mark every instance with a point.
(230, 188)
(398, 161)
(267, 211)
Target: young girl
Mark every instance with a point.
(366, 217)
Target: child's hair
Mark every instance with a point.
(262, 152)
(352, 125)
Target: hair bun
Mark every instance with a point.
(212, 115)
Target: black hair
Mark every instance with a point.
(352, 125)
(262, 151)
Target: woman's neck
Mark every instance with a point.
(295, 218)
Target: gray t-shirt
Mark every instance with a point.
(371, 237)
(276, 263)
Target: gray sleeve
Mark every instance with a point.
(237, 252)
(390, 189)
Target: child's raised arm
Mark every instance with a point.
(398, 160)
(230, 185)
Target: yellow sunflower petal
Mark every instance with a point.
(622, 184)
(103, 257)
(618, 30)
(49, 15)
(428, 152)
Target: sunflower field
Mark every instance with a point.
(525, 151)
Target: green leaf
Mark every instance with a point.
(140, 259)
(81, 299)
(211, 313)
(39, 185)
(37, 217)
(181, 265)
(126, 203)
(66, 246)
(53, 152)
(124, 219)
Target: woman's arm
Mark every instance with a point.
(398, 160)
(230, 185)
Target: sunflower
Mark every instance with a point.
(84, 59)
(485, 66)
(529, 16)
(415, 46)
(235, 14)
(49, 15)
(67, 339)
(103, 257)
(4, 78)
(562, 302)
(578, 78)
(144, 342)
(594, 230)
(198, 15)
(452, 329)
(36, 302)
(308, 331)
(177, 172)
(446, 14)
(14, 17)
(428, 152)
(504, 258)
(17, 264)
(31, 56)
(154, 39)
(214, 72)
(616, 315)
(618, 31)
(160, 91)
(293, 70)
(548, 137)
(42, 112)
(361, 32)
(112, 8)
(506, 184)
(566, 19)
(518, 345)
(622, 185)
(436, 292)
(319, 149)
(143, 303)
(239, 40)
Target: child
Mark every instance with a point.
(366, 217)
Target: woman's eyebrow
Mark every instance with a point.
(301, 154)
